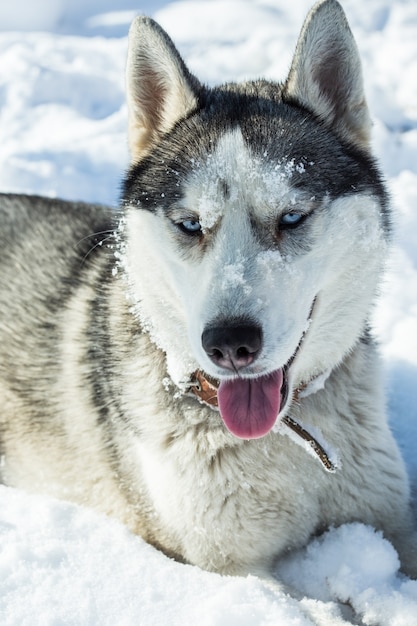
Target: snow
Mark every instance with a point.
(63, 133)
(356, 565)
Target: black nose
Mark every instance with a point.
(234, 345)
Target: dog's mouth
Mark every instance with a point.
(207, 390)
(249, 407)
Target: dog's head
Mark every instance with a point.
(255, 217)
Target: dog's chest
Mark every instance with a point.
(229, 513)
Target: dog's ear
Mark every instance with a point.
(326, 74)
(160, 89)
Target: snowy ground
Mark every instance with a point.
(62, 132)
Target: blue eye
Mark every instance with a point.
(190, 227)
(291, 220)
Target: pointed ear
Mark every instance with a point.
(326, 74)
(160, 89)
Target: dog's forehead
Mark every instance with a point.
(235, 176)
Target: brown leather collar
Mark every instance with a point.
(205, 389)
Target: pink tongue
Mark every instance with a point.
(250, 406)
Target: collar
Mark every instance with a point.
(205, 388)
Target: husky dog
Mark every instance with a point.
(199, 364)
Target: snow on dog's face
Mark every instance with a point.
(255, 219)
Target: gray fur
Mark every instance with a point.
(102, 314)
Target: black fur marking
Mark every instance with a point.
(99, 354)
(225, 189)
(281, 130)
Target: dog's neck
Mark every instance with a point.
(205, 389)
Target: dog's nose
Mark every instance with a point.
(234, 345)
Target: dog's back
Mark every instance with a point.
(50, 252)
(47, 247)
